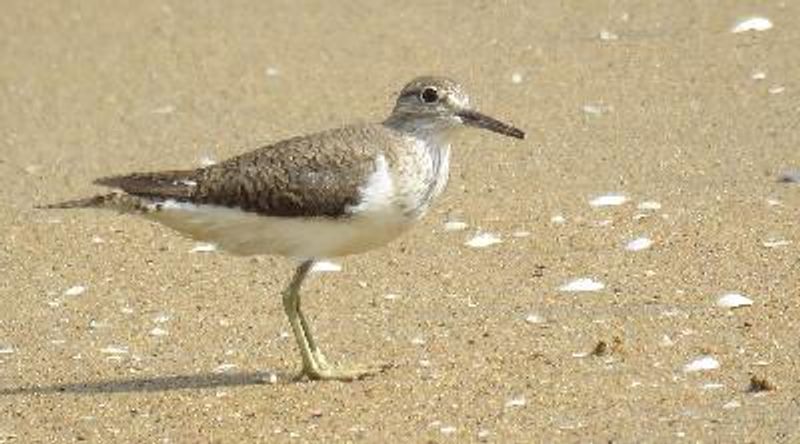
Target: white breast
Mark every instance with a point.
(423, 176)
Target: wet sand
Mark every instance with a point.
(113, 331)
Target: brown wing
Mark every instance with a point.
(315, 175)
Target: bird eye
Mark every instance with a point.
(429, 95)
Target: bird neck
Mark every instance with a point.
(430, 131)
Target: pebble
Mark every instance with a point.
(790, 177)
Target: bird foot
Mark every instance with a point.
(329, 372)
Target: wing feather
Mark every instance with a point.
(316, 175)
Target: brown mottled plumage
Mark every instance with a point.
(294, 177)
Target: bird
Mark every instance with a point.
(319, 196)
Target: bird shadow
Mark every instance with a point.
(154, 384)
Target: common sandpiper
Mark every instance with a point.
(324, 195)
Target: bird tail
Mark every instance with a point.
(124, 203)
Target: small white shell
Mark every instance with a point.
(115, 350)
(75, 291)
(325, 266)
(455, 225)
(752, 24)
(534, 318)
(203, 247)
(608, 35)
(701, 363)
(732, 404)
(608, 200)
(482, 240)
(734, 300)
(158, 331)
(518, 401)
(639, 244)
(776, 243)
(224, 368)
(581, 285)
(447, 430)
(649, 205)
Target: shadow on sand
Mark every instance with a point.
(153, 384)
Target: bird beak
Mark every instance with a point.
(478, 120)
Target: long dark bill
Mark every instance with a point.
(478, 120)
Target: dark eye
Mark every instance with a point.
(429, 95)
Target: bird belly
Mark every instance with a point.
(246, 233)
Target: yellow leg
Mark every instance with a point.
(315, 366)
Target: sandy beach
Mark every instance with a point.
(646, 282)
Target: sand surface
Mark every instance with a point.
(111, 330)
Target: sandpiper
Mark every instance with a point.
(334, 193)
